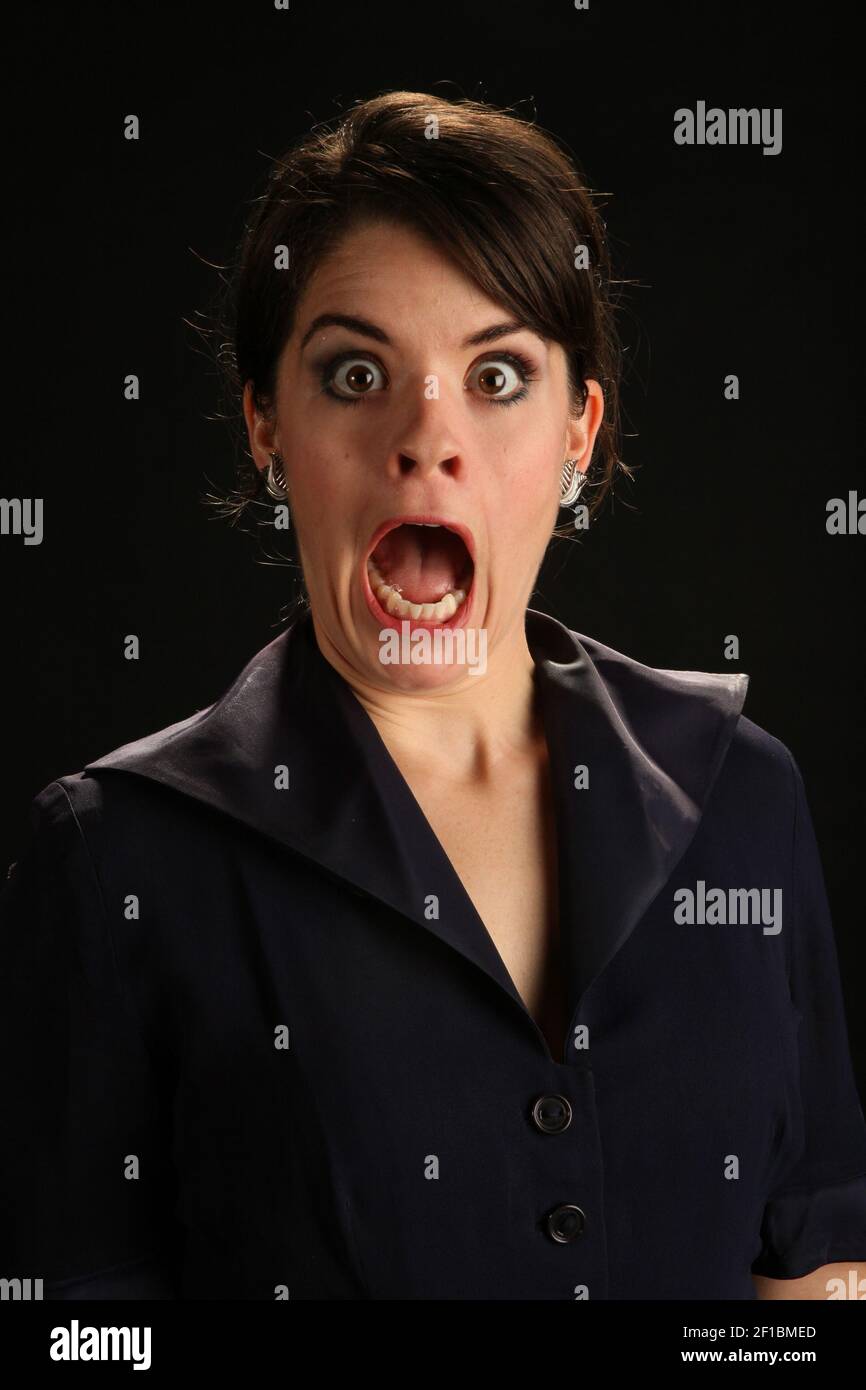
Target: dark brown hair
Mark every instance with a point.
(493, 190)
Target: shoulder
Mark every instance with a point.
(88, 825)
(760, 760)
(689, 719)
(757, 802)
(88, 801)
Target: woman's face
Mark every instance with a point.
(410, 413)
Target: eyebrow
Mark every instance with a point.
(372, 330)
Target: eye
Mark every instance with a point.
(351, 377)
(504, 379)
(354, 377)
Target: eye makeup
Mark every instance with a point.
(327, 370)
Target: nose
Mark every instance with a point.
(425, 465)
(427, 446)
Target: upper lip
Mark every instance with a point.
(419, 518)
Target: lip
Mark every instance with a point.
(420, 519)
(386, 619)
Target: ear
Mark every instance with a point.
(582, 429)
(260, 430)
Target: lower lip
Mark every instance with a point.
(386, 619)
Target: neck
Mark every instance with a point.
(467, 730)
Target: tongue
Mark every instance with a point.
(425, 562)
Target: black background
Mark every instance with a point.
(744, 263)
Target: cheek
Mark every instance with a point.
(530, 490)
(319, 477)
(327, 492)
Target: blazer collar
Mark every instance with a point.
(653, 742)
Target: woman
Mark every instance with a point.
(504, 974)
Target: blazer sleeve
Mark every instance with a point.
(86, 1190)
(817, 1213)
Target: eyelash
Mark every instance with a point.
(516, 359)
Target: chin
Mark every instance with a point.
(428, 675)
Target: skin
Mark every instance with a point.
(812, 1286)
(495, 468)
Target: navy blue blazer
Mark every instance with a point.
(258, 1043)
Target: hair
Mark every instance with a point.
(491, 189)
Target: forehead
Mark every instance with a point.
(389, 263)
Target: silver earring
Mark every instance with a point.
(572, 483)
(275, 478)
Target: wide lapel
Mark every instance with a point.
(347, 806)
(653, 742)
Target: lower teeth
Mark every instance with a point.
(390, 599)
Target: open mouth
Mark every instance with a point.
(421, 570)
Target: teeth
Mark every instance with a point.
(391, 600)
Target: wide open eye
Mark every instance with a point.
(503, 379)
(353, 377)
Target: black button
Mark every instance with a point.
(551, 1114)
(565, 1223)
